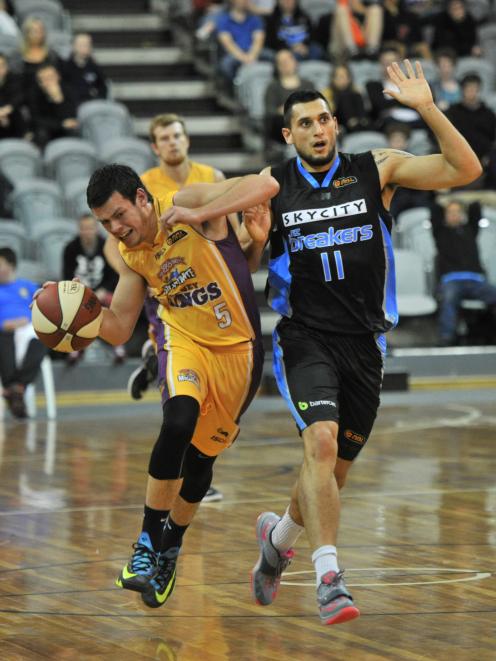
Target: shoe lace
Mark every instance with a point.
(338, 577)
(165, 569)
(143, 558)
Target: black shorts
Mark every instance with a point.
(329, 377)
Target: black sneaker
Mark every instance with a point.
(14, 396)
(141, 378)
(162, 584)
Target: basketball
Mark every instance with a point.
(67, 316)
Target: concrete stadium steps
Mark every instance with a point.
(124, 30)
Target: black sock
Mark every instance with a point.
(172, 535)
(153, 524)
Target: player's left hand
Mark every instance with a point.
(257, 222)
(413, 88)
(175, 215)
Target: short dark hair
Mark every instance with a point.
(300, 96)
(471, 77)
(9, 255)
(113, 178)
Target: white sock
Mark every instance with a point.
(285, 533)
(325, 559)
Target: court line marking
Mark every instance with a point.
(476, 576)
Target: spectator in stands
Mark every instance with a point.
(456, 28)
(384, 109)
(346, 101)
(446, 89)
(398, 137)
(21, 352)
(405, 28)
(7, 22)
(12, 121)
(290, 28)
(357, 29)
(241, 36)
(84, 258)
(286, 80)
(52, 108)
(461, 275)
(477, 123)
(82, 74)
(35, 51)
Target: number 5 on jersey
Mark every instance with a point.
(223, 315)
(327, 267)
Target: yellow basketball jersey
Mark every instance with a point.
(204, 287)
(158, 183)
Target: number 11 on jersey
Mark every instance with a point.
(324, 256)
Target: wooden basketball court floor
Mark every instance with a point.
(417, 539)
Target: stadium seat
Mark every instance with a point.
(133, 152)
(102, 119)
(37, 200)
(51, 238)
(75, 197)
(430, 70)
(486, 240)
(9, 44)
(50, 12)
(317, 71)
(412, 296)
(355, 143)
(483, 68)
(419, 143)
(13, 235)
(67, 159)
(363, 71)
(19, 160)
(420, 239)
(49, 388)
(61, 42)
(250, 83)
(316, 8)
(31, 270)
(413, 218)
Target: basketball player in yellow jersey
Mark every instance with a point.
(210, 351)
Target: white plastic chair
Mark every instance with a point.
(49, 388)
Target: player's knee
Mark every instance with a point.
(321, 443)
(178, 426)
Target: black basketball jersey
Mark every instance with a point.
(331, 258)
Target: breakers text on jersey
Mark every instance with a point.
(330, 238)
(352, 208)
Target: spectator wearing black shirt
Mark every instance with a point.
(82, 73)
(290, 28)
(52, 107)
(477, 123)
(84, 258)
(404, 27)
(12, 122)
(35, 51)
(461, 275)
(456, 28)
(345, 100)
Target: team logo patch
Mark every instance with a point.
(344, 181)
(303, 406)
(352, 208)
(168, 265)
(176, 236)
(178, 278)
(189, 375)
(354, 437)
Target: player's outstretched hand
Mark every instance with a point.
(257, 222)
(175, 215)
(414, 90)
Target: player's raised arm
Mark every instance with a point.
(127, 301)
(457, 163)
(201, 202)
(254, 231)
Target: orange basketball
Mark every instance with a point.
(67, 316)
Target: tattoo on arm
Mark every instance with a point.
(381, 155)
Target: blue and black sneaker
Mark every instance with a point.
(142, 565)
(161, 585)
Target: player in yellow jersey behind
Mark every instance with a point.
(209, 345)
(170, 142)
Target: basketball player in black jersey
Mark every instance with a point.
(331, 277)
